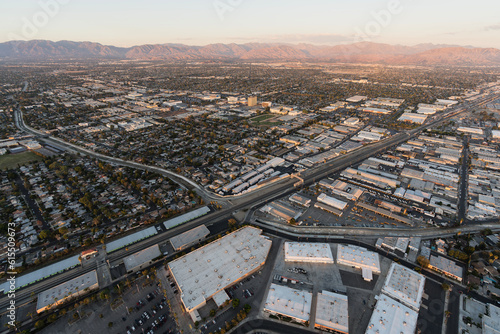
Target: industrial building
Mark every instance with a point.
(404, 285)
(189, 238)
(413, 118)
(333, 202)
(491, 320)
(446, 267)
(356, 98)
(332, 312)
(72, 288)
(359, 257)
(141, 259)
(308, 252)
(288, 302)
(300, 200)
(207, 271)
(390, 316)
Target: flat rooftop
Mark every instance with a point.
(491, 322)
(446, 265)
(186, 217)
(204, 272)
(308, 252)
(391, 316)
(332, 311)
(358, 257)
(141, 257)
(189, 237)
(404, 285)
(66, 289)
(130, 239)
(289, 302)
(45, 272)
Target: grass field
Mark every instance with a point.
(12, 160)
(262, 118)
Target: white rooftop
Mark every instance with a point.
(289, 302)
(204, 272)
(359, 257)
(331, 311)
(392, 317)
(44, 272)
(141, 257)
(491, 322)
(189, 237)
(130, 239)
(446, 265)
(186, 217)
(66, 289)
(308, 252)
(404, 285)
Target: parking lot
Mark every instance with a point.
(100, 317)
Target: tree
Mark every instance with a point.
(445, 286)
(236, 302)
(212, 312)
(423, 261)
(39, 324)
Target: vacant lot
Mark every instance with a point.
(13, 160)
(262, 118)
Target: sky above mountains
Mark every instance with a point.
(201, 22)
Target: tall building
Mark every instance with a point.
(252, 101)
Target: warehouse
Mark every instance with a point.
(446, 267)
(212, 268)
(391, 316)
(72, 288)
(332, 312)
(413, 118)
(141, 259)
(130, 239)
(300, 200)
(288, 302)
(308, 252)
(405, 286)
(333, 202)
(189, 238)
(358, 257)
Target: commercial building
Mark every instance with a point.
(189, 238)
(491, 320)
(288, 302)
(474, 131)
(404, 285)
(130, 239)
(390, 316)
(413, 118)
(141, 259)
(252, 101)
(203, 273)
(186, 217)
(308, 252)
(332, 312)
(333, 202)
(356, 98)
(377, 110)
(359, 257)
(446, 267)
(72, 288)
(300, 200)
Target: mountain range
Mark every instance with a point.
(362, 52)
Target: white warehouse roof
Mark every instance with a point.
(289, 302)
(358, 257)
(187, 238)
(390, 316)
(308, 252)
(73, 287)
(204, 272)
(404, 285)
(332, 312)
(141, 257)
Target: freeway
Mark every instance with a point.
(263, 195)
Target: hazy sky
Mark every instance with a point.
(200, 22)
